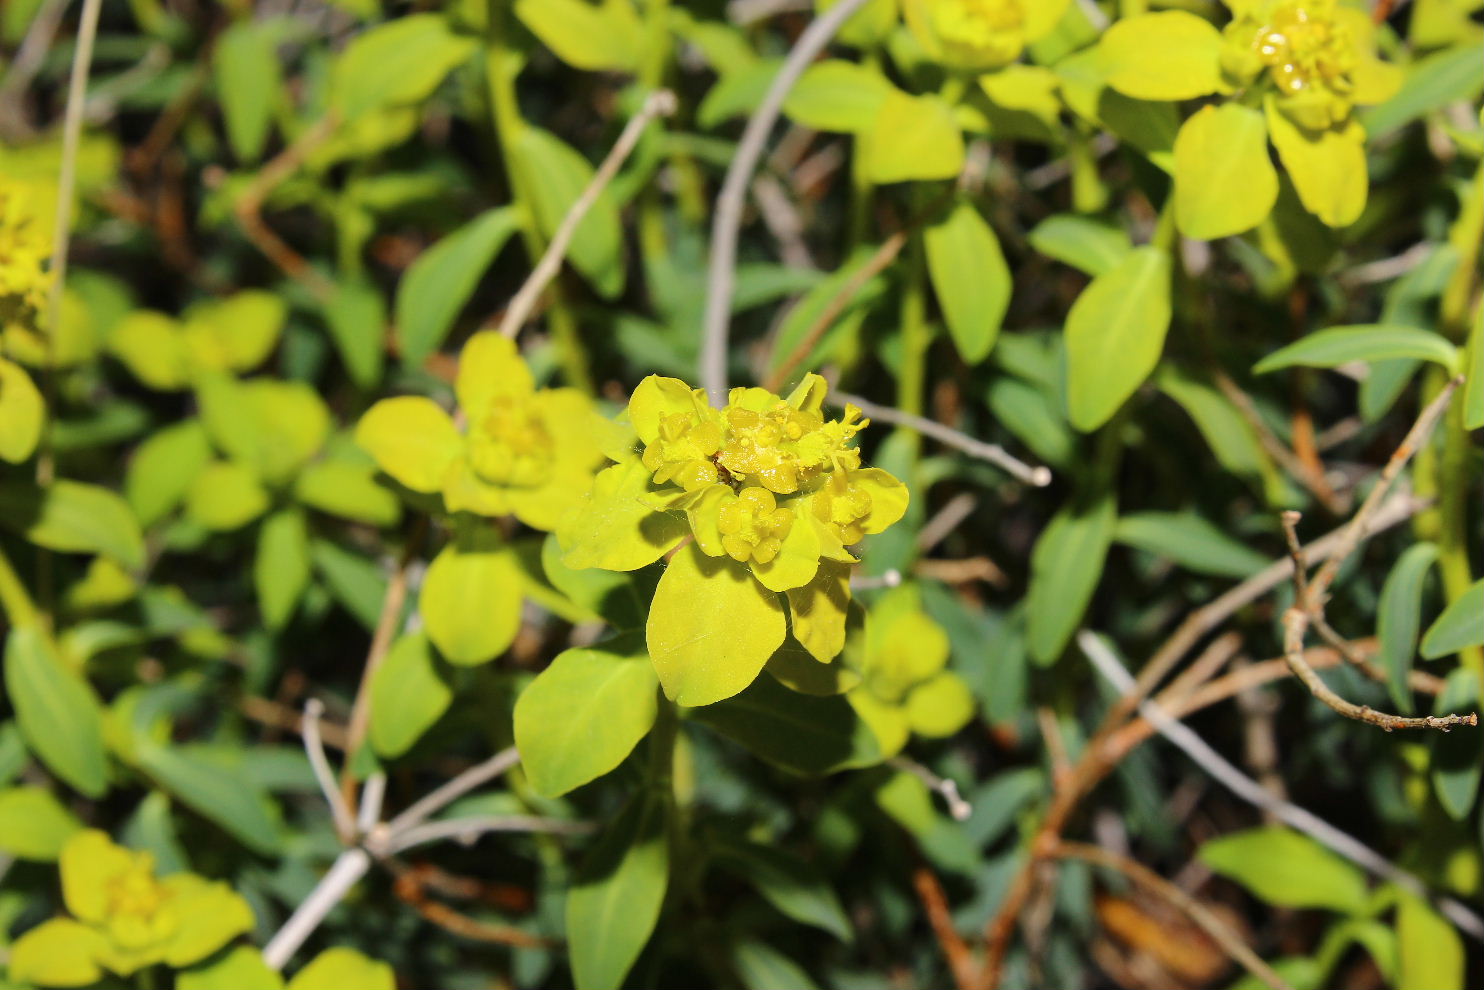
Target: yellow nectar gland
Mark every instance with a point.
(843, 506)
(753, 527)
(1311, 58)
(683, 451)
(24, 249)
(138, 911)
(510, 444)
(785, 448)
(980, 31)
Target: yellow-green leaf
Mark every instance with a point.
(1115, 333)
(471, 597)
(395, 64)
(240, 969)
(21, 413)
(281, 568)
(153, 348)
(582, 716)
(836, 95)
(340, 969)
(1327, 167)
(819, 608)
(412, 439)
(74, 518)
(58, 953)
(1224, 181)
(1430, 953)
(970, 278)
(437, 285)
(1171, 55)
(34, 824)
(60, 716)
(556, 176)
(614, 528)
(408, 695)
(711, 628)
(913, 137)
(1065, 569)
(941, 706)
(1286, 868)
(226, 495)
(347, 489)
(616, 899)
(163, 467)
(606, 37)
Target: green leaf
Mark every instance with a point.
(556, 176)
(438, 284)
(1328, 167)
(242, 968)
(1430, 953)
(582, 716)
(1065, 568)
(163, 468)
(281, 568)
(226, 495)
(1191, 541)
(22, 412)
(1366, 342)
(1115, 333)
(737, 93)
(801, 733)
(604, 38)
(836, 95)
(348, 489)
(711, 628)
(1225, 182)
(215, 791)
(1172, 55)
(395, 64)
(1226, 432)
(59, 952)
(1285, 868)
(1460, 626)
(248, 80)
(913, 137)
(616, 899)
(1431, 83)
(971, 279)
(34, 824)
(340, 968)
(470, 601)
(805, 315)
(74, 518)
(1456, 760)
(789, 884)
(762, 967)
(355, 315)
(59, 714)
(614, 528)
(274, 427)
(408, 694)
(1399, 616)
(354, 581)
(1089, 245)
(1035, 417)
(613, 595)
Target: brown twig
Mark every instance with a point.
(249, 208)
(1197, 912)
(381, 641)
(1300, 470)
(281, 716)
(875, 265)
(935, 902)
(962, 570)
(410, 889)
(1308, 608)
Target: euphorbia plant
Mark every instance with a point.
(760, 501)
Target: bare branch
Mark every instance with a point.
(438, 799)
(1252, 792)
(347, 870)
(721, 274)
(660, 103)
(467, 830)
(958, 809)
(345, 824)
(993, 453)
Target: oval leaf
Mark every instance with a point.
(470, 601)
(1288, 869)
(1224, 181)
(1365, 342)
(408, 694)
(1115, 333)
(1065, 568)
(59, 714)
(439, 283)
(971, 279)
(1399, 616)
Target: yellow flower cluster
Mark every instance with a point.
(980, 35)
(525, 451)
(734, 464)
(1314, 52)
(25, 246)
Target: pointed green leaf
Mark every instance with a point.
(1086, 244)
(614, 904)
(801, 733)
(248, 78)
(395, 64)
(582, 716)
(1460, 626)
(1065, 568)
(74, 518)
(408, 694)
(281, 568)
(1191, 541)
(1287, 869)
(1399, 616)
(556, 176)
(217, 792)
(913, 137)
(789, 884)
(1115, 333)
(1335, 346)
(970, 278)
(438, 284)
(59, 714)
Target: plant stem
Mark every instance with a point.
(500, 69)
(1447, 472)
(916, 337)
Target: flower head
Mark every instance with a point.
(125, 918)
(524, 451)
(980, 35)
(25, 246)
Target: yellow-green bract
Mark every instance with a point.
(770, 492)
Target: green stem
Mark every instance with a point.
(500, 69)
(916, 337)
(1445, 473)
(20, 610)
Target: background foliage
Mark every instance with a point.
(1204, 262)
